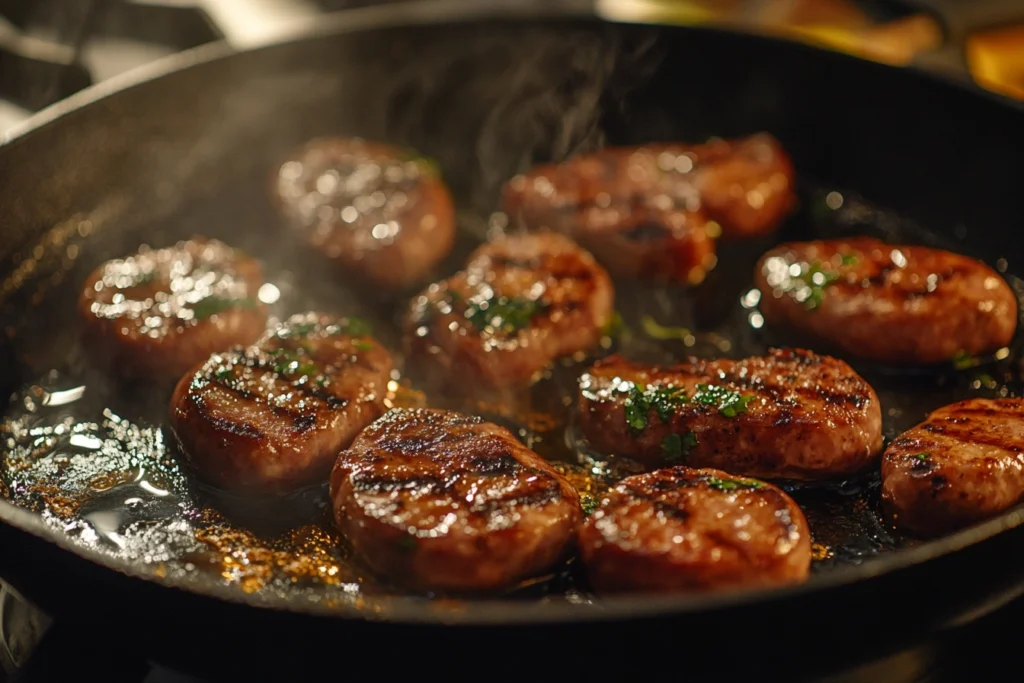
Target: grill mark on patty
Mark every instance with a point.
(972, 435)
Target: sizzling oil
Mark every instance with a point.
(95, 460)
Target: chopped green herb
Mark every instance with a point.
(224, 373)
(665, 399)
(732, 484)
(503, 313)
(639, 402)
(362, 346)
(678, 446)
(212, 305)
(407, 543)
(427, 165)
(656, 331)
(849, 259)
(730, 403)
(924, 455)
(357, 327)
(963, 360)
(615, 326)
(589, 503)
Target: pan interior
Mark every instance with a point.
(95, 459)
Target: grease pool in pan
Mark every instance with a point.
(96, 460)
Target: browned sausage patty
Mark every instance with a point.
(439, 501)
(273, 416)
(379, 211)
(521, 302)
(746, 185)
(681, 530)
(791, 414)
(894, 304)
(963, 464)
(158, 312)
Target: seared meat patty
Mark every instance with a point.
(273, 416)
(379, 211)
(892, 304)
(791, 414)
(521, 302)
(693, 530)
(745, 185)
(439, 501)
(158, 312)
(963, 464)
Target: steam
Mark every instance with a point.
(496, 106)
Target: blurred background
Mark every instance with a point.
(50, 49)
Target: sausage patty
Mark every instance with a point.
(379, 211)
(963, 464)
(439, 501)
(746, 185)
(680, 529)
(273, 416)
(158, 312)
(892, 304)
(791, 414)
(521, 302)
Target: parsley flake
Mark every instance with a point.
(730, 403)
(678, 446)
(362, 346)
(924, 455)
(731, 484)
(503, 313)
(589, 503)
(963, 360)
(655, 330)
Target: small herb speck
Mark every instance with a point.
(732, 484)
(362, 346)
(655, 330)
(678, 446)
(589, 503)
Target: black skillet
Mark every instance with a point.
(186, 147)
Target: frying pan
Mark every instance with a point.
(186, 147)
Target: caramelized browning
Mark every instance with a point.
(888, 303)
(439, 501)
(521, 302)
(377, 210)
(791, 414)
(694, 530)
(645, 211)
(273, 416)
(962, 465)
(158, 312)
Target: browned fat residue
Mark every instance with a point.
(820, 551)
(309, 553)
(589, 485)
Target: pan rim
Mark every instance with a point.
(409, 609)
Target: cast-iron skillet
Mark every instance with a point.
(186, 147)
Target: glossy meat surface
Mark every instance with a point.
(791, 415)
(694, 530)
(377, 210)
(745, 185)
(892, 304)
(521, 302)
(962, 465)
(439, 501)
(158, 312)
(273, 416)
